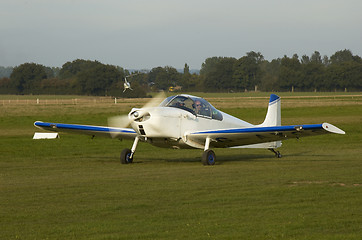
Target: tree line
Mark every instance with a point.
(340, 72)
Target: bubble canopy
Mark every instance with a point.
(195, 105)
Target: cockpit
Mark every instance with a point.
(195, 105)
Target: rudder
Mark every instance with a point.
(273, 115)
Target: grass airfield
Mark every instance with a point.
(75, 188)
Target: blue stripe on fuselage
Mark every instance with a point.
(263, 129)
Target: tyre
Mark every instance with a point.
(208, 157)
(126, 156)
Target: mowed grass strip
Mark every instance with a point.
(75, 187)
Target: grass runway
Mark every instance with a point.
(75, 187)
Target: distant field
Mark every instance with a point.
(201, 94)
(220, 100)
(75, 188)
(34, 97)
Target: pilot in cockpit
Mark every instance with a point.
(199, 108)
(180, 104)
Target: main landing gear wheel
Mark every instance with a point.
(208, 157)
(126, 156)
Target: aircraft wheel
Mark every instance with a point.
(278, 154)
(126, 156)
(208, 157)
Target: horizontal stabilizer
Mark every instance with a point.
(233, 137)
(333, 129)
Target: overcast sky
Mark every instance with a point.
(151, 33)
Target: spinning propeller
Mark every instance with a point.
(123, 121)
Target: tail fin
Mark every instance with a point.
(273, 116)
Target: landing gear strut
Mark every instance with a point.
(277, 153)
(127, 154)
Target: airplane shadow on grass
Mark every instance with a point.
(222, 158)
(307, 156)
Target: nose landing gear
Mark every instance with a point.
(127, 154)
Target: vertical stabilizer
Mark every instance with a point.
(273, 116)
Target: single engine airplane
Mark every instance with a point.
(186, 121)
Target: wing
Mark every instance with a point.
(232, 137)
(121, 133)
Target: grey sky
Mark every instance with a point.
(147, 34)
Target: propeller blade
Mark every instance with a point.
(121, 121)
(155, 101)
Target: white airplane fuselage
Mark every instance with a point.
(185, 121)
(168, 126)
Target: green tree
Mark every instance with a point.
(346, 75)
(163, 78)
(49, 71)
(344, 71)
(341, 57)
(209, 65)
(290, 73)
(186, 80)
(71, 69)
(26, 78)
(186, 69)
(6, 86)
(193, 82)
(326, 60)
(99, 80)
(219, 77)
(247, 71)
(271, 70)
(305, 59)
(312, 76)
(316, 57)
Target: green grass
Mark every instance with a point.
(75, 187)
(34, 97)
(201, 94)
